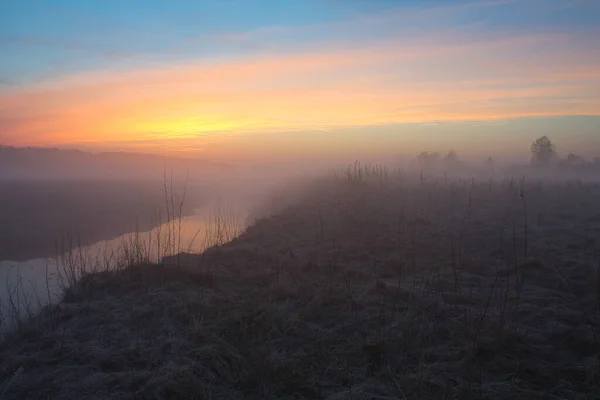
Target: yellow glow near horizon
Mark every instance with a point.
(299, 92)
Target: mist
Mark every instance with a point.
(300, 199)
(71, 193)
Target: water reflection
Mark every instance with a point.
(27, 286)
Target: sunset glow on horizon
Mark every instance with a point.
(293, 77)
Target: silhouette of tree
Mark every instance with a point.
(490, 167)
(426, 159)
(574, 159)
(542, 151)
(451, 158)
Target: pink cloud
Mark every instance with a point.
(433, 79)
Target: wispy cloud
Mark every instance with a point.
(381, 77)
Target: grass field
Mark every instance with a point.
(368, 284)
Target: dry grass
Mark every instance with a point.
(372, 285)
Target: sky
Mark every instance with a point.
(242, 80)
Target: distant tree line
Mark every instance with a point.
(543, 153)
(427, 159)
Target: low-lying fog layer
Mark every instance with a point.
(61, 208)
(403, 276)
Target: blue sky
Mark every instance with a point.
(42, 38)
(294, 68)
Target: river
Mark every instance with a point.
(26, 286)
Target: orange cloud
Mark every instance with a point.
(378, 84)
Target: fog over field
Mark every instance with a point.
(433, 278)
(430, 261)
(300, 199)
